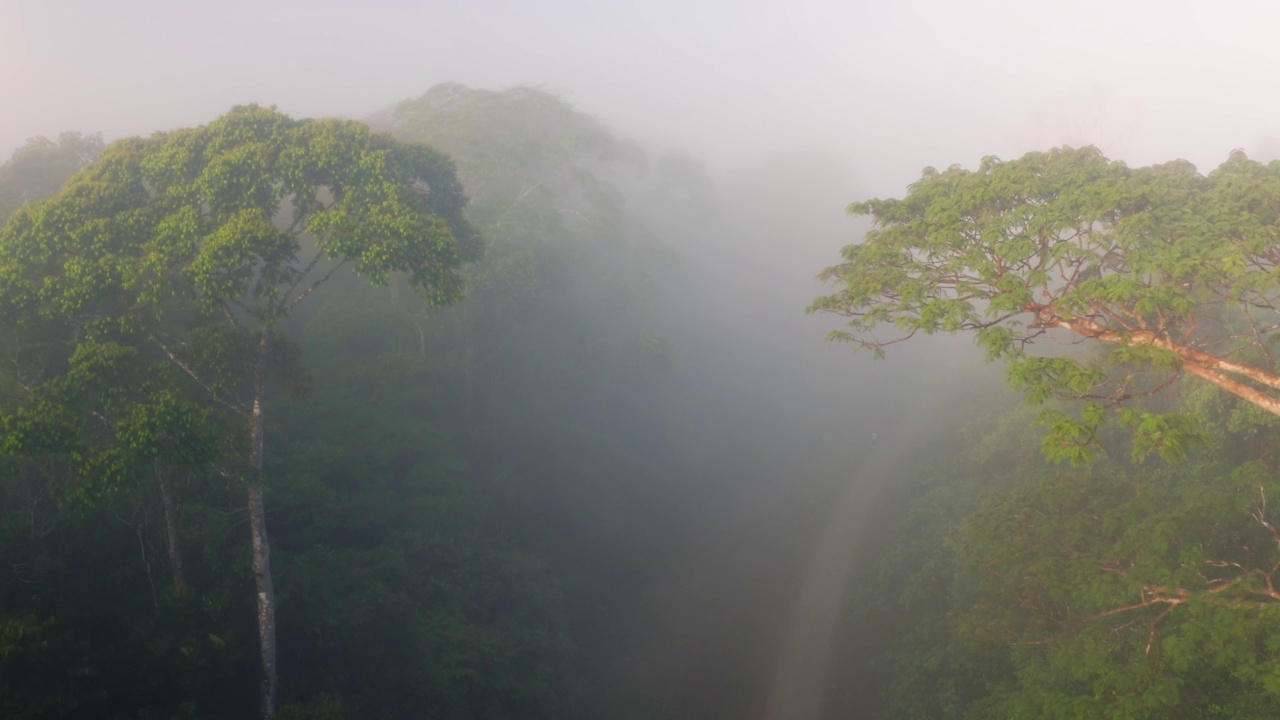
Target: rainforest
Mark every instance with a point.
(614, 367)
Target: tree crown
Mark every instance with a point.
(1178, 271)
(222, 215)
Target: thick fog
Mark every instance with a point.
(782, 113)
(894, 85)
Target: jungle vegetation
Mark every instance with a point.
(474, 409)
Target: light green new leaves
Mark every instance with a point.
(199, 213)
(1069, 243)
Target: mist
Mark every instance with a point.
(651, 466)
(897, 86)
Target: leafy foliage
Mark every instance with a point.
(402, 597)
(1175, 269)
(1006, 588)
(1151, 596)
(164, 273)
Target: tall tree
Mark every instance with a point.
(1176, 271)
(197, 245)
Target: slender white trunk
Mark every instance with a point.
(468, 377)
(261, 546)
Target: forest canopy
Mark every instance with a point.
(531, 442)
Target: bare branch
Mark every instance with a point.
(305, 272)
(235, 407)
(315, 285)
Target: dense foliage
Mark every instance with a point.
(1005, 587)
(1000, 586)
(180, 256)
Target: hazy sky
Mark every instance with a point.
(891, 85)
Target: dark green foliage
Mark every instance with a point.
(94, 625)
(1150, 594)
(406, 597)
(143, 315)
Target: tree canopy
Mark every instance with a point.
(1177, 272)
(192, 214)
(195, 246)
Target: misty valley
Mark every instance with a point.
(477, 407)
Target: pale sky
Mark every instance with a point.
(891, 85)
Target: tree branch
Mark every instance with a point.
(315, 285)
(237, 408)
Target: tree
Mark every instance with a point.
(1130, 595)
(197, 245)
(1005, 587)
(1178, 272)
(41, 167)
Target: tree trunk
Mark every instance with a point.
(258, 531)
(493, 421)
(468, 378)
(170, 525)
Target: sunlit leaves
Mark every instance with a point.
(1172, 266)
(247, 247)
(202, 207)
